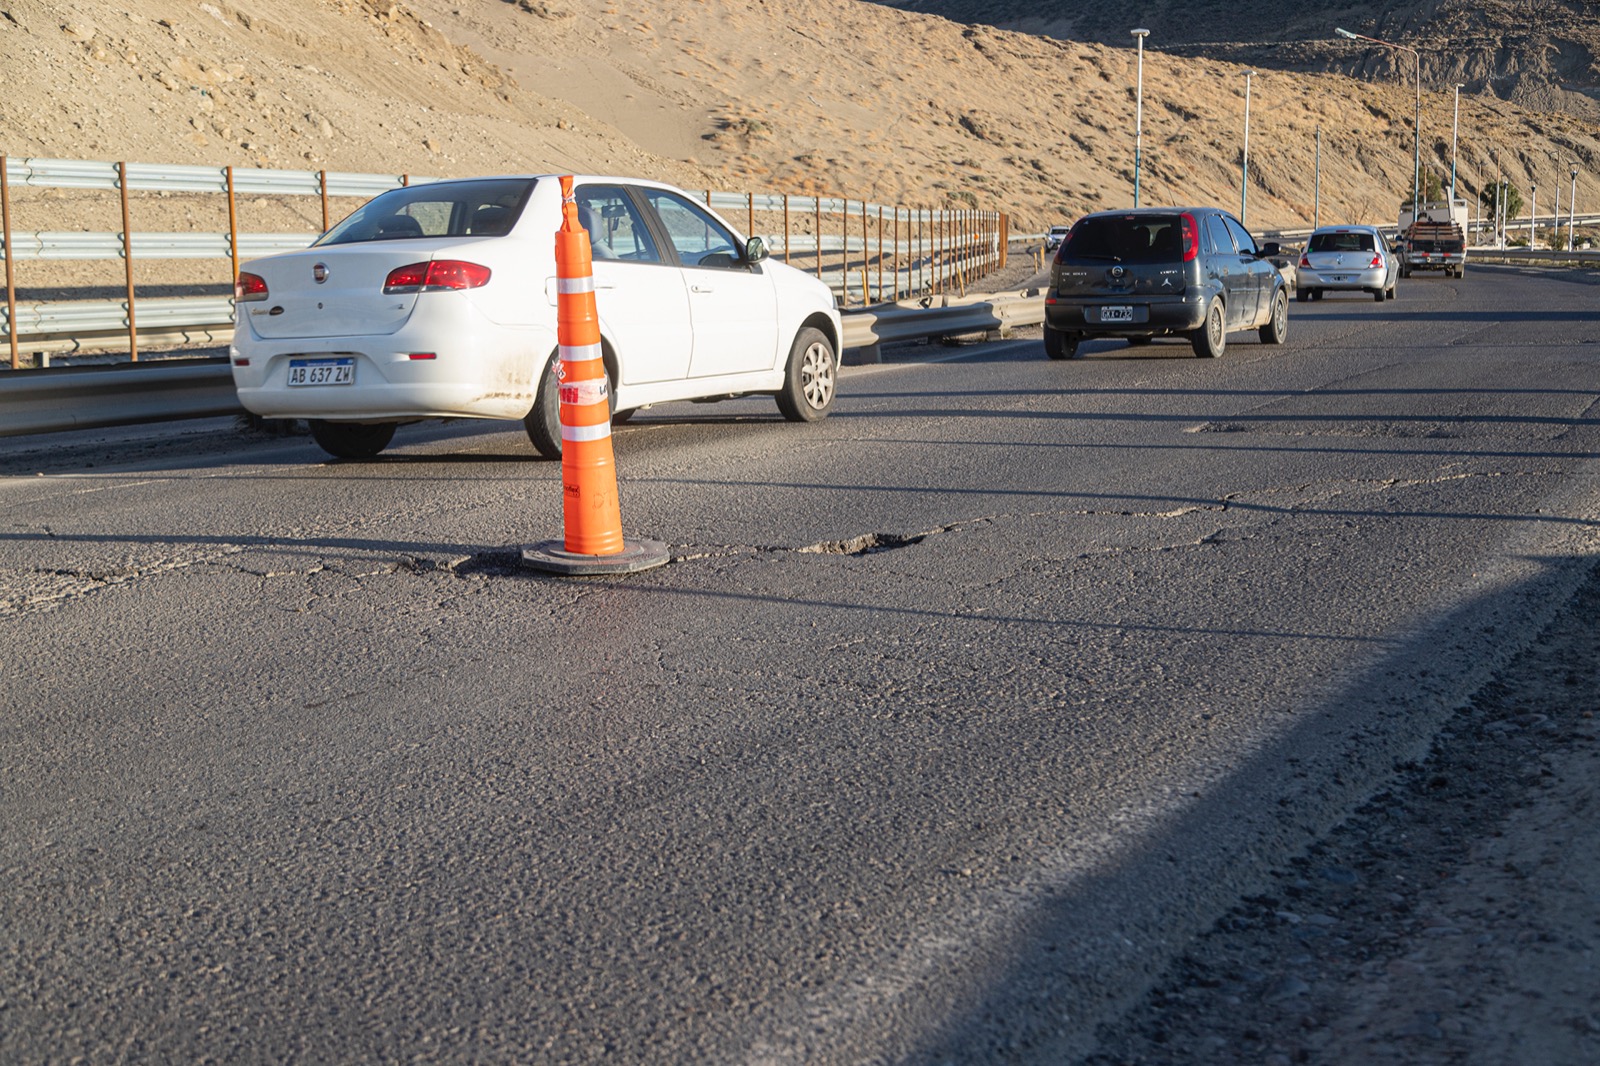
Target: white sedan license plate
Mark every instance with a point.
(336, 371)
(1116, 314)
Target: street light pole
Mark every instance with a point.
(1555, 220)
(1572, 207)
(1138, 115)
(1416, 122)
(1244, 165)
(1455, 128)
(1316, 201)
(1533, 217)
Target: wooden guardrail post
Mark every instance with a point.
(233, 228)
(11, 254)
(866, 258)
(816, 231)
(127, 260)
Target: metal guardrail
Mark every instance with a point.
(1529, 256)
(881, 249)
(52, 401)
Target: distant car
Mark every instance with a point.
(1347, 259)
(1053, 239)
(1149, 272)
(439, 300)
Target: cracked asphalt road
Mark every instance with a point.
(955, 718)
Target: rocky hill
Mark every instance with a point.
(1541, 54)
(835, 96)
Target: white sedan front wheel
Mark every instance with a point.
(811, 378)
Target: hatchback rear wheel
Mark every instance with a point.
(352, 440)
(1210, 339)
(1277, 327)
(1060, 345)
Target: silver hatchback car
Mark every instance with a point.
(1347, 258)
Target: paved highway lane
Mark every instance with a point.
(953, 717)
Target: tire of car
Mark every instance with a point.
(1302, 295)
(543, 420)
(1212, 337)
(811, 378)
(352, 440)
(1059, 344)
(1139, 342)
(1392, 290)
(1316, 294)
(1276, 331)
(1377, 294)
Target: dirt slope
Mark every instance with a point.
(821, 95)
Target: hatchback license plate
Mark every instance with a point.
(338, 371)
(1116, 314)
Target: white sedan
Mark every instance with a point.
(438, 300)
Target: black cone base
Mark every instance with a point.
(552, 557)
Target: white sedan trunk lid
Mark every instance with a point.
(349, 301)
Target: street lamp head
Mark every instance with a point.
(1342, 32)
(1574, 171)
(1141, 32)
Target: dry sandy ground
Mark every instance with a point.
(835, 96)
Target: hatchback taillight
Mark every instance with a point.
(248, 287)
(1377, 260)
(440, 275)
(1191, 237)
(1305, 261)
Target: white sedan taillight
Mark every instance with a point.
(440, 275)
(247, 287)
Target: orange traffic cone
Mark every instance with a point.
(592, 515)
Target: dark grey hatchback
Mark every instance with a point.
(1154, 271)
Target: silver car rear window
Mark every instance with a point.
(485, 208)
(1341, 242)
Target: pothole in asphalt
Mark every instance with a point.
(866, 544)
(1219, 427)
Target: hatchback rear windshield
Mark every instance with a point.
(1341, 242)
(486, 208)
(1126, 239)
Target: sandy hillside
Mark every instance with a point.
(837, 96)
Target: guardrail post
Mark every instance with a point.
(127, 259)
(816, 231)
(880, 253)
(11, 281)
(233, 227)
(844, 252)
(866, 260)
(749, 213)
(786, 228)
(322, 187)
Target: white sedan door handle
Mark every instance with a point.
(702, 288)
